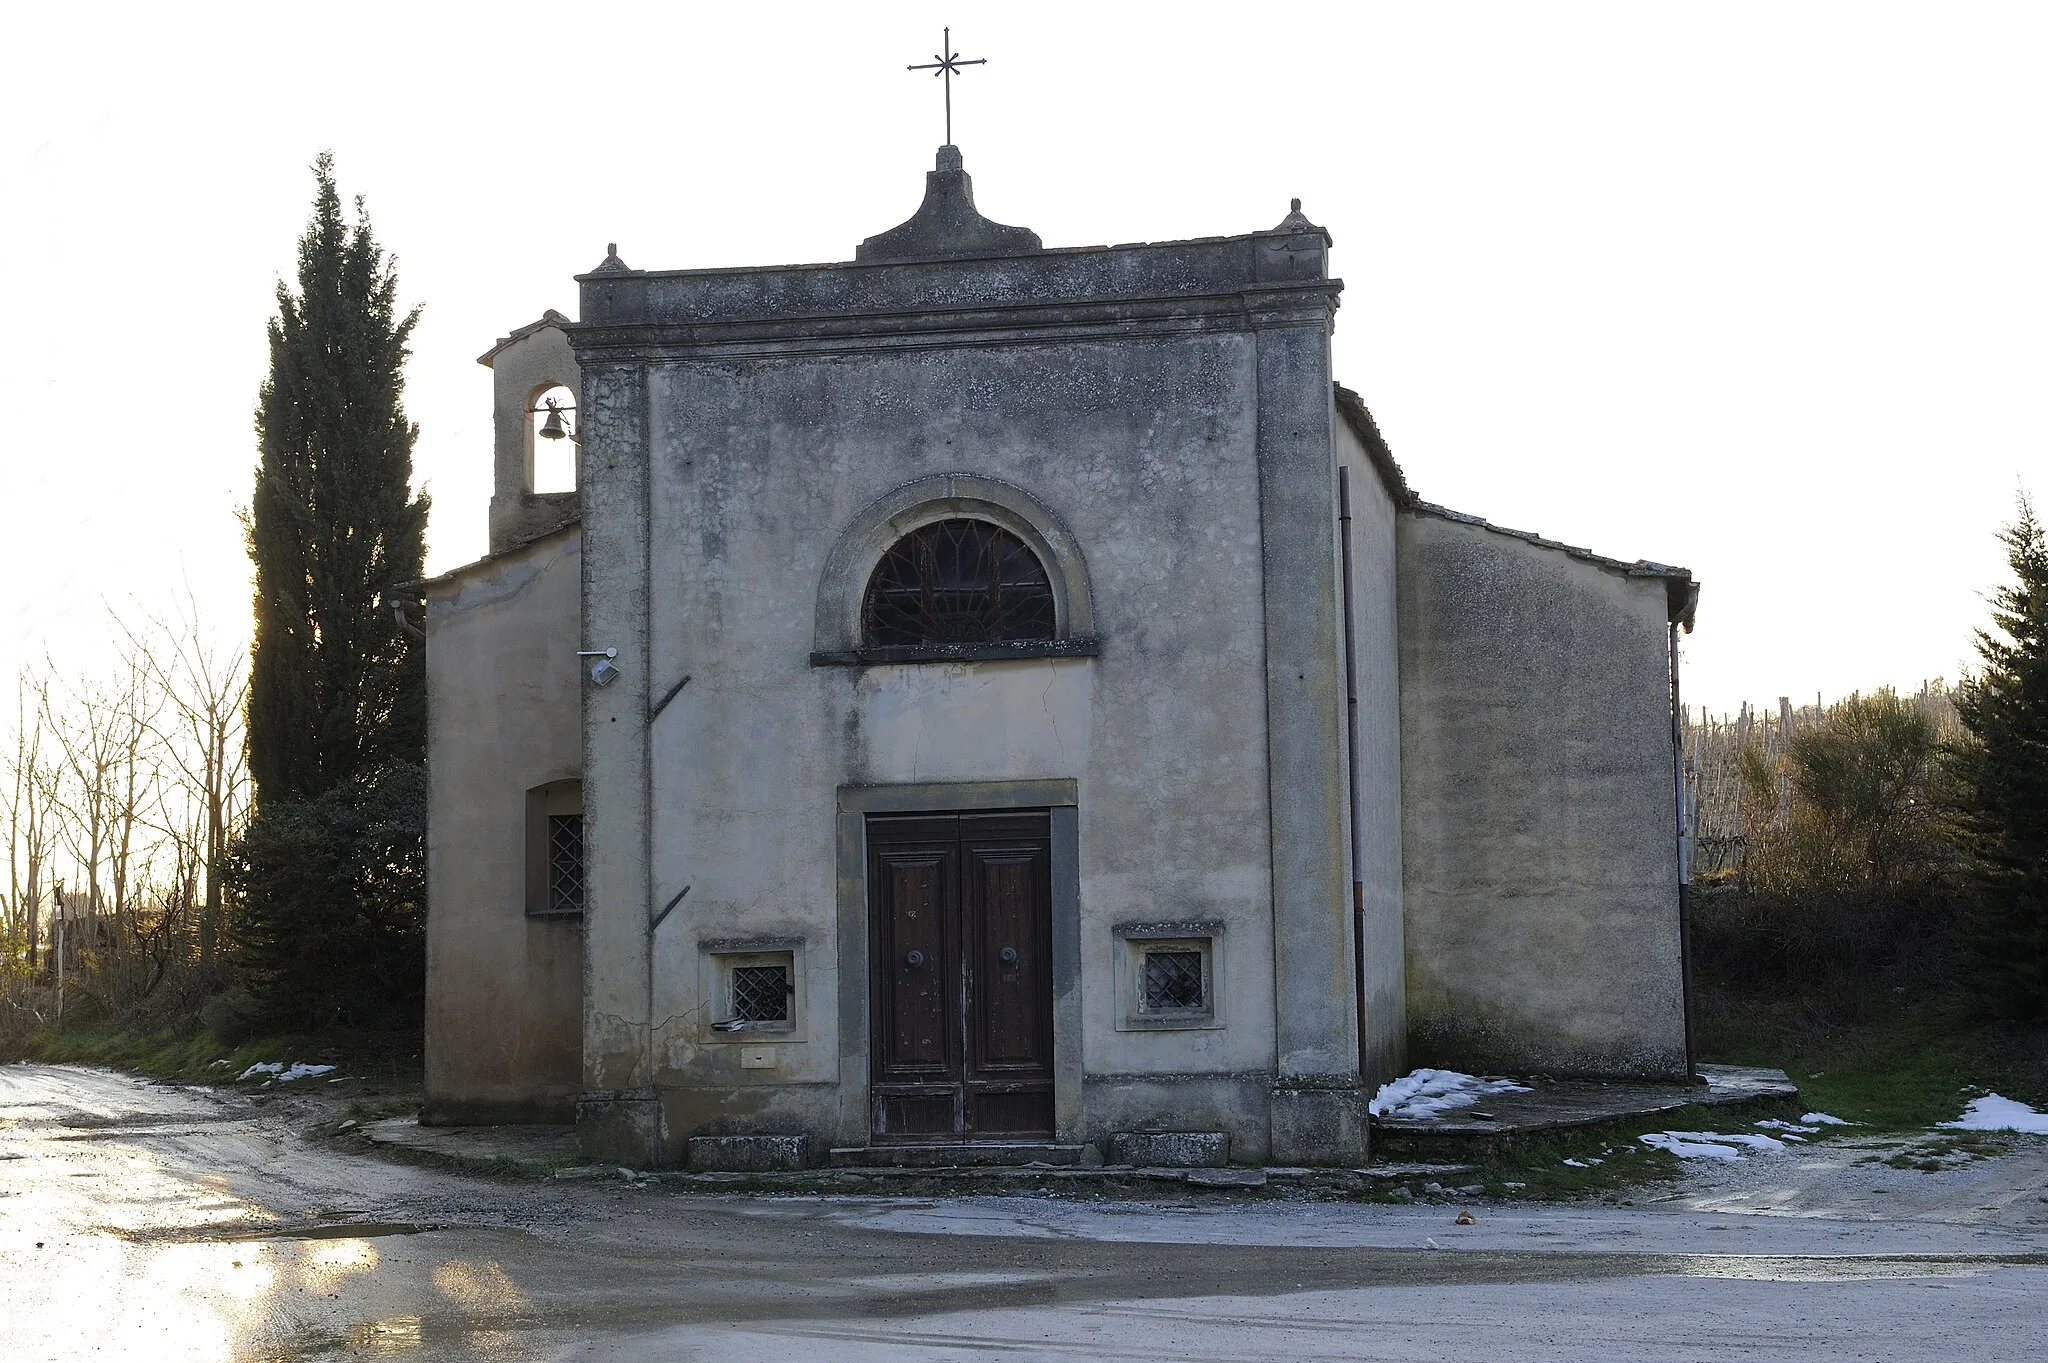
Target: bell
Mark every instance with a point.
(552, 428)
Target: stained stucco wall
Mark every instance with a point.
(1375, 660)
(1539, 872)
(1145, 453)
(504, 990)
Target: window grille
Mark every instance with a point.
(760, 993)
(565, 863)
(1173, 981)
(957, 582)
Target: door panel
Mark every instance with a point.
(913, 883)
(960, 925)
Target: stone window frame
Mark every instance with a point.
(1204, 936)
(717, 958)
(551, 798)
(842, 586)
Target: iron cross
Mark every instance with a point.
(946, 62)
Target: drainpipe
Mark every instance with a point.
(1684, 848)
(1351, 744)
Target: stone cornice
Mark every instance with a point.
(1260, 308)
(1248, 283)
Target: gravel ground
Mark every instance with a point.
(142, 1220)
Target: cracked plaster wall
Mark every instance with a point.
(1146, 451)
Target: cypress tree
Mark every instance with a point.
(329, 877)
(335, 687)
(2002, 773)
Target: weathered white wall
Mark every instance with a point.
(1148, 459)
(504, 991)
(1540, 875)
(1375, 662)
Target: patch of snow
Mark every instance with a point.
(298, 1070)
(1711, 1144)
(1993, 1113)
(1685, 1149)
(1766, 1144)
(1427, 1093)
(1780, 1124)
(1586, 1163)
(1822, 1119)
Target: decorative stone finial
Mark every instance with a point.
(1295, 222)
(946, 224)
(611, 263)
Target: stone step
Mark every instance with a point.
(958, 1155)
(1547, 1107)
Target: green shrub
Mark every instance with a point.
(329, 905)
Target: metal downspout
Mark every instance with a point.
(1684, 849)
(1351, 745)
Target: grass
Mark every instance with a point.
(1613, 1165)
(198, 1056)
(1906, 1064)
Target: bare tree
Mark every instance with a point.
(29, 821)
(205, 693)
(130, 786)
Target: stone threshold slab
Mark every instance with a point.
(551, 1152)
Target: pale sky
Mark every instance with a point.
(1754, 288)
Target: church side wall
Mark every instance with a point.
(1375, 662)
(504, 990)
(1146, 451)
(1540, 877)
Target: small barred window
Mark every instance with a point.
(565, 863)
(760, 993)
(957, 582)
(1173, 981)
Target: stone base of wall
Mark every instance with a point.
(1319, 1125)
(749, 1154)
(1170, 1149)
(544, 1110)
(620, 1127)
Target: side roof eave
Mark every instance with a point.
(455, 576)
(1682, 592)
(550, 318)
(1356, 416)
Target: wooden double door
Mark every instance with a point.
(960, 976)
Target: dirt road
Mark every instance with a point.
(149, 1221)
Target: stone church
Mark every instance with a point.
(983, 699)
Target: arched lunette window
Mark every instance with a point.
(957, 582)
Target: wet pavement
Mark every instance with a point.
(150, 1221)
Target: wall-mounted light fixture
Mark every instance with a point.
(554, 428)
(604, 672)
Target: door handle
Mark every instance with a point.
(1008, 955)
(914, 959)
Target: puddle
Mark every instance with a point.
(332, 1230)
(182, 1127)
(1838, 1268)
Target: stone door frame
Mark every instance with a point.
(855, 803)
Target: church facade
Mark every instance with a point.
(981, 694)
